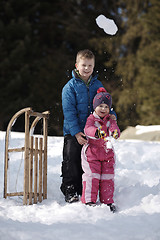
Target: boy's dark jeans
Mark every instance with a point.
(71, 165)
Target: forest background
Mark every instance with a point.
(38, 45)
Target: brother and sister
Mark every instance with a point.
(88, 122)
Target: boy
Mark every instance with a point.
(77, 98)
(98, 155)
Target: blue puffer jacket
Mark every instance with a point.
(77, 99)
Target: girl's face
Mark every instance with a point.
(85, 67)
(102, 110)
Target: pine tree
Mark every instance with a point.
(39, 42)
(138, 99)
(148, 81)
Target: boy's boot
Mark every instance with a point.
(70, 194)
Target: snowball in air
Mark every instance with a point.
(108, 25)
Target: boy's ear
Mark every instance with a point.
(76, 65)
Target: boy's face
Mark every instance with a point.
(102, 110)
(85, 67)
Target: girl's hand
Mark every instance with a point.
(100, 133)
(115, 134)
(113, 117)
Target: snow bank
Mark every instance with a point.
(137, 195)
(145, 133)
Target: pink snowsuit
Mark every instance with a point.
(98, 161)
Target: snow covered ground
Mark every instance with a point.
(137, 195)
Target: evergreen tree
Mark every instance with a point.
(38, 44)
(148, 81)
(139, 51)
(39, 41)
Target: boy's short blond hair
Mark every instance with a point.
(86, 53)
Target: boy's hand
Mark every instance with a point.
(113, 117)
(81, 138)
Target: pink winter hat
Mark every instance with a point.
(102, 97)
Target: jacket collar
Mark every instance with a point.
(77, 77)
(100, 119)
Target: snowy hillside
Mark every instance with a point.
(137, 196)
(145, 133)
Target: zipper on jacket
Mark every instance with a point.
(89, 106)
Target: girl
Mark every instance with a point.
(98, 157)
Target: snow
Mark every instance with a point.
(145, 129)
(108, 25)
(137, 195)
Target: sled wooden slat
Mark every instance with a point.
(41, 115)
(26, 159)
(31, 170)
(14, 194)
(45, 127)
(20, 194)
(16, 149)
(35, 169)
(40, 170)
